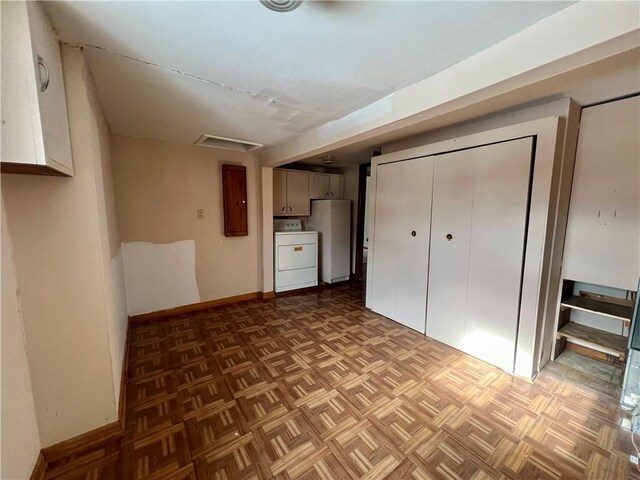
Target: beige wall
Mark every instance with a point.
(19, 432)
(114, 288)
(159, 186)
(60, 233)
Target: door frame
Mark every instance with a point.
(547, 219)
(362, 196)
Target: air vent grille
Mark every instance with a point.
(224, 143)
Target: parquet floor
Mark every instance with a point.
(314, 386)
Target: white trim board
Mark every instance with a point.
(539, 285)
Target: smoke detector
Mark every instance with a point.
(281, 6)
(328, 159)
(224, 143)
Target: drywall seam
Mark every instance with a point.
(174, 70)
(159, 276)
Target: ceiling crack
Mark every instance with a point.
(255, 95)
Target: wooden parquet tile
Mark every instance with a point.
(314, 386)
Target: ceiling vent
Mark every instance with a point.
(224, 143)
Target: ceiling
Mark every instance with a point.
(175, 70)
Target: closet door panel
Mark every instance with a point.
(385, 267)
(413, 256)
(498, 227)
(453, 181)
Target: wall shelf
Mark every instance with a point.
(610, 343)
(599, 307)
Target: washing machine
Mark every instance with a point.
(295, 255)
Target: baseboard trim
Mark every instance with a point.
(93, 438)
(82, 442)
(193, 307)
(40, 468)
(110, 431)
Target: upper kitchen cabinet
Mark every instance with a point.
(291, 193)
(35, 127)
(320, 185)
(325, 185)
(336, 186)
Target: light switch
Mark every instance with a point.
(200, 213)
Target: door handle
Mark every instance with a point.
(44, 82)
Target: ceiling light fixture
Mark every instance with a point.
(281, 6)
(328, 159)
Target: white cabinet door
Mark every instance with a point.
(18, 90)
(336, 186)
(298, 193)
(35, 129)
(279, 192)
(319, 185)
(51, 93)
(603, 228)
(403, 206)
(481, 200)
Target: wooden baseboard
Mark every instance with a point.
(193, 307)
(84, 441)
(40, 468)
(105, 433)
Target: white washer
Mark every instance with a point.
(295, 255)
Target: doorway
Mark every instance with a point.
(362, 221)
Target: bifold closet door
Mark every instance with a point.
(480, 210)
(401, 242)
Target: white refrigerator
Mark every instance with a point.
(332, 220)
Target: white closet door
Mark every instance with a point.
(389, 188)
(603, 228)
(500, 197)
(453, 180)
(480, 199)
(403, 206)
(413, 253)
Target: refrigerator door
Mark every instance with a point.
(340, 240)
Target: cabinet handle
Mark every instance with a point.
(413, 233)
(283, 209)
(290, 209)
(449, 237)
(43, 83)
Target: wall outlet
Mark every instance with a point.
(200, 213)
